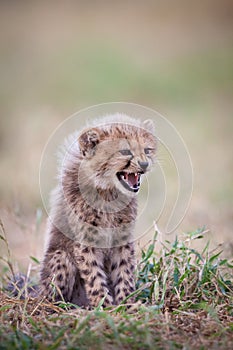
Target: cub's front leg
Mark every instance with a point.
(57, 276)
(90, 263)
(122, 272)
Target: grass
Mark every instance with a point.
(185, 302)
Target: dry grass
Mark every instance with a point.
(27, 324)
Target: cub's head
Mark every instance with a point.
(116, 153)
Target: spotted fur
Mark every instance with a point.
(90, 254)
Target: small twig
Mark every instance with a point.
(38, 305)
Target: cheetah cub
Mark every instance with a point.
(90, 251)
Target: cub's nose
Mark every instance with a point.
(143, 165)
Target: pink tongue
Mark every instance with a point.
(133, 179)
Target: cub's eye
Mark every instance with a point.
(126, 152)
(148, 150)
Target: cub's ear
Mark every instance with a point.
(88, 140)
(149, 125)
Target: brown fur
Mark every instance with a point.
(90, 253)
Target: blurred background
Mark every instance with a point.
(58, 57)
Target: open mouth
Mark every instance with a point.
(130, 181)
